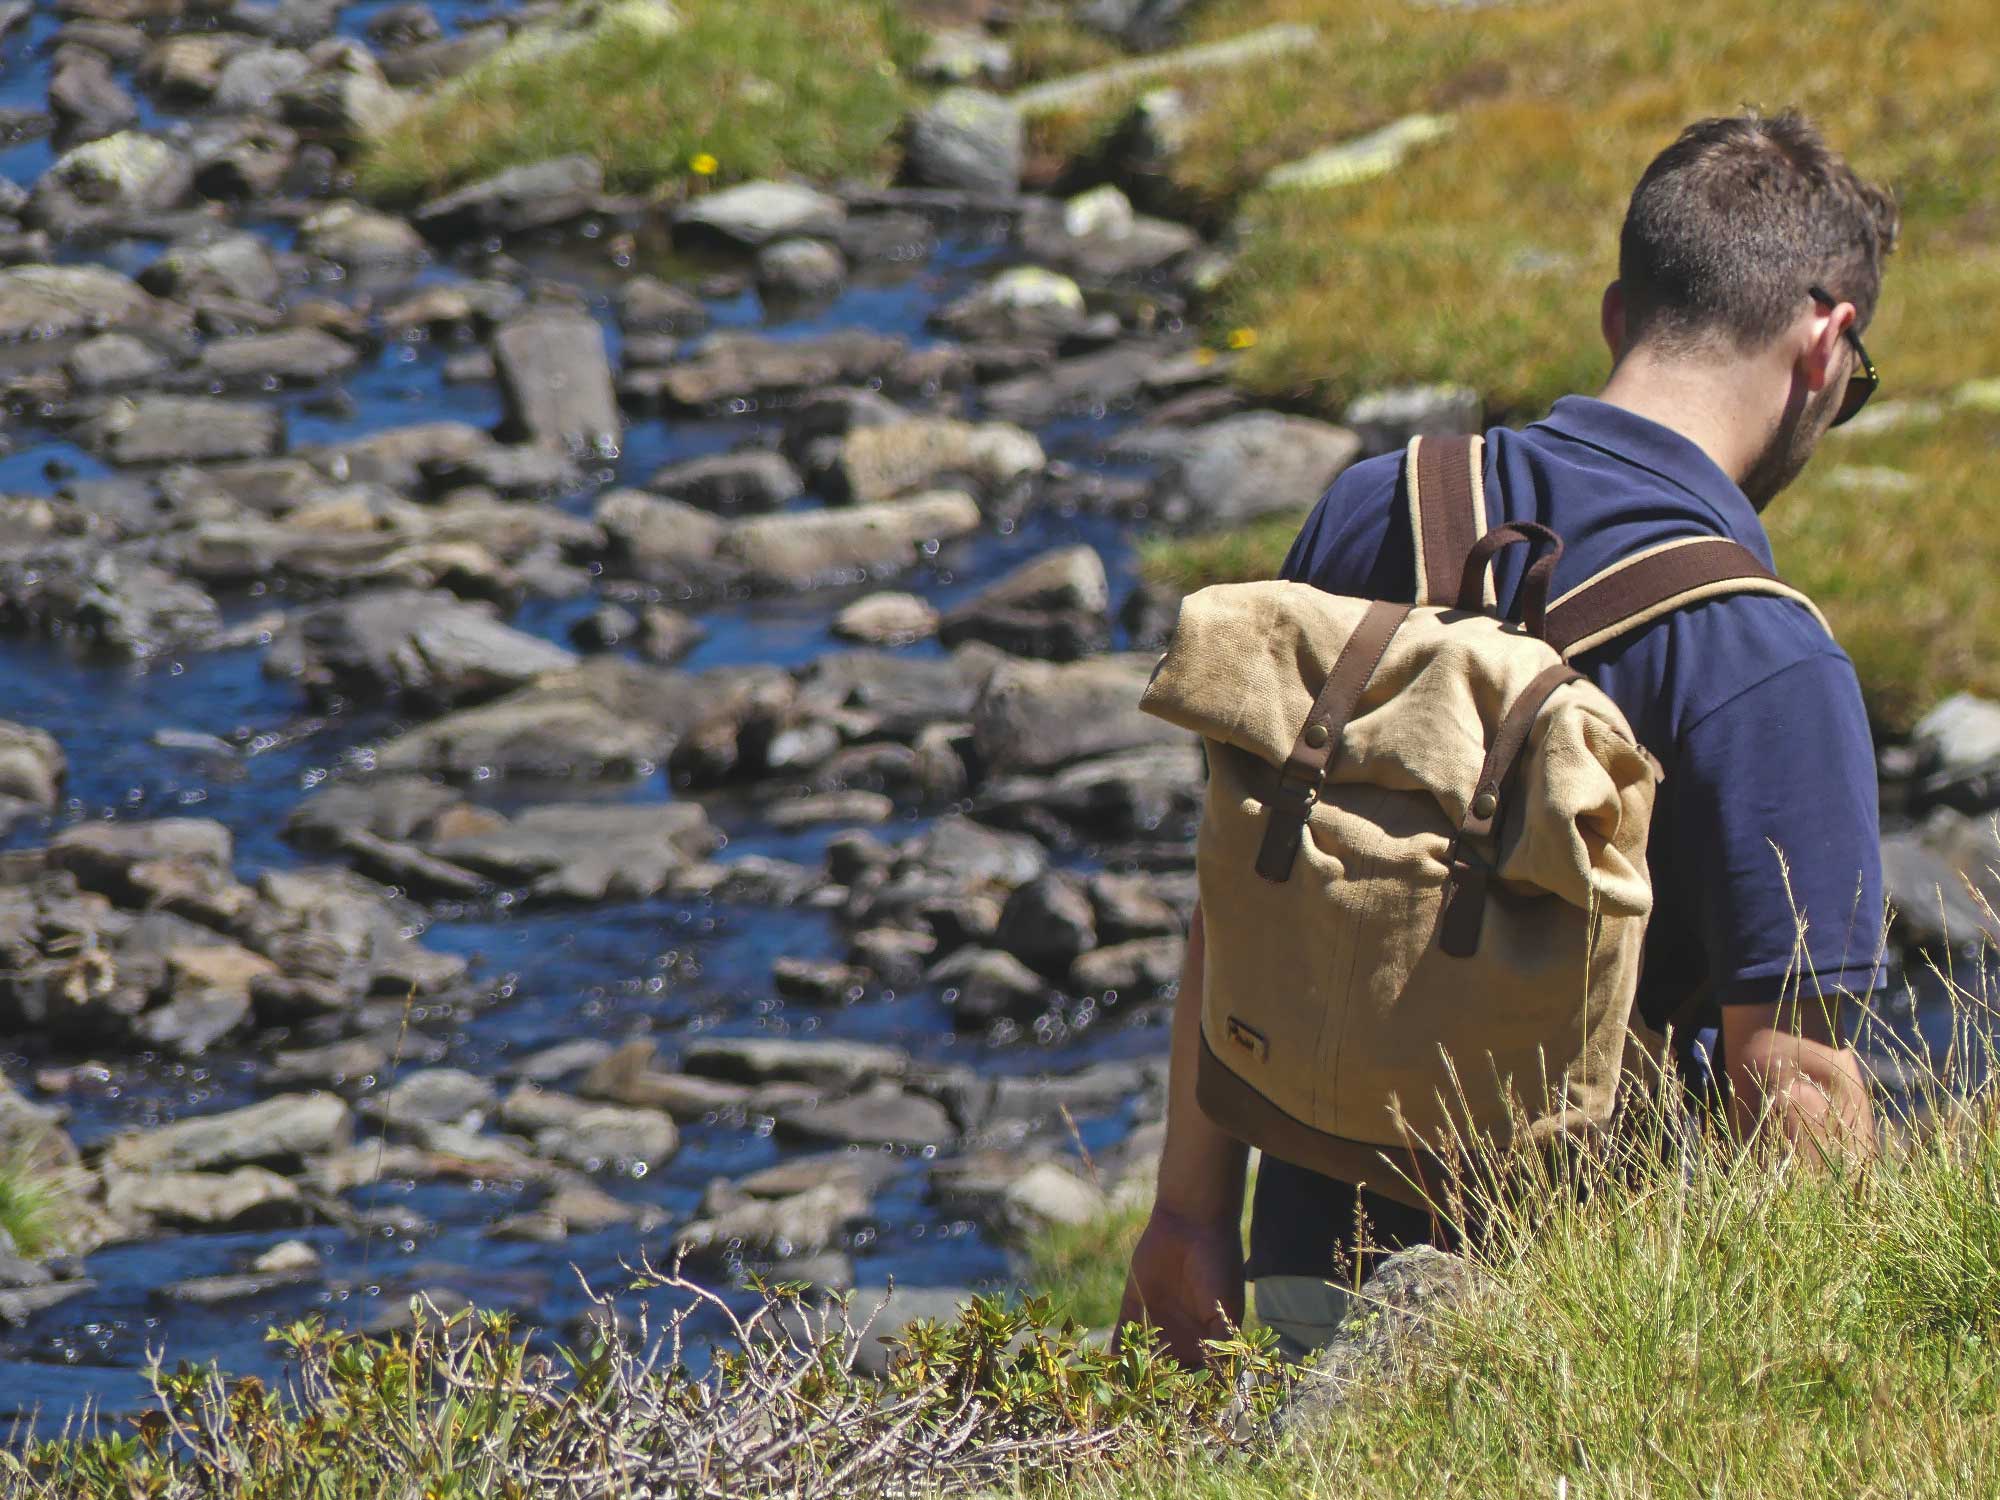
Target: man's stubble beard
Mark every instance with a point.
(1790, 446)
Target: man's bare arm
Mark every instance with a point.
(1790, 1072)
(1187, 1272)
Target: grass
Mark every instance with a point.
(30, 1205)
(1479, 260)
(756, 87)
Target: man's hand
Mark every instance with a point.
(1790, 1073)
(1187, 1272)
(1187, 1281)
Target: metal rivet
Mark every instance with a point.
(1485, 805)
(1315, 735)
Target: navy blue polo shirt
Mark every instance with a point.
(1765, 827)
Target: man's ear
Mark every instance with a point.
(1821, 355)
(1611, 320)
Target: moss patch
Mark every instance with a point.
(746, 88)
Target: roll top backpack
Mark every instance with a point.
(1422, 855)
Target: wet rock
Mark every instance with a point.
(984, 984)
(1133, 792)
(1149, 615)
(207, 996)
(561, 1060)
(355, 236)
(556, 379)
(1136, 969)
(801, 1224)
(440, 1096)
(648, 305)
(1089, 382)
(127, 177)
(1056, 606)
(279, 1133)
(968, 853)
(800, 270)
(183, 429)
(819, 981)
(1132, 906)
(86, 97)
(659, 537)
(208, 1202)
(240, 1286)
(49, 302)
(881, 1115)
(430, 648)
(587, 851)
(17, 1306)
(114, 605)
(252, 79)
(1386, 420)
(760, 1060)
(185, 69)
(750, 480)
(607, 719)
(724, 366)
(1098, 235)
(755, 214)
(1024, 303)
(895, 956)
(108, 856)
(32, 767)
(345, 98)
(968, 140)
(1957, 747)
(235, 265)
(518, 199)
(1939, 880)
(608, 1137)
(391, 807)
(331, 924)
(1256, 464)
(666, 635)
(299, 356)
(1013, 1108)
(798, 551)
(357, 1062)
(632, 1076)
(1035, 717)
(892, 238)
(1047, 924)
(882, 461)
(1021, 1199)
(831, 807)
(887, 619)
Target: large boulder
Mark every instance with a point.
(249, 1198)
(120, 177)
(659, 537)
(1056, 606)
(1023, 303)
(1039, 717)
(587, 851)
(753, 479)
(357, 236)
(968, 140)
(237, 266)
(431, 648)
(519, 198)
(556, 379)
(1256, 464)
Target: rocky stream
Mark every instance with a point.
(557, 728)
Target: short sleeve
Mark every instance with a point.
(1777, 824)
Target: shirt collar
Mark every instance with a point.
(1645, 444)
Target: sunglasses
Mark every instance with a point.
(1865, 379)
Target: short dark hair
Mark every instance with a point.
(1736, 219)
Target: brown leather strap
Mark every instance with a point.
(1534, 586)
(1652, 583)
(1445, 479)
(1465, 887)
(1319, 739)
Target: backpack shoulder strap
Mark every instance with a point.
(1655, 582)
(1445, 481)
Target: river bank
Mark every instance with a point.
(552, 723)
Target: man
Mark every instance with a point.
(1750, 260)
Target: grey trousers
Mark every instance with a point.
(1304, 1312)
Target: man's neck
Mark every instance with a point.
(1694, 400)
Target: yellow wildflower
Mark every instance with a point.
(1242, 338)
(703, 165)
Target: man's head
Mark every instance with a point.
(1727, 232)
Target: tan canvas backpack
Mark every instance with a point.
(1422, 858)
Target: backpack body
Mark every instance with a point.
(1422, 856)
